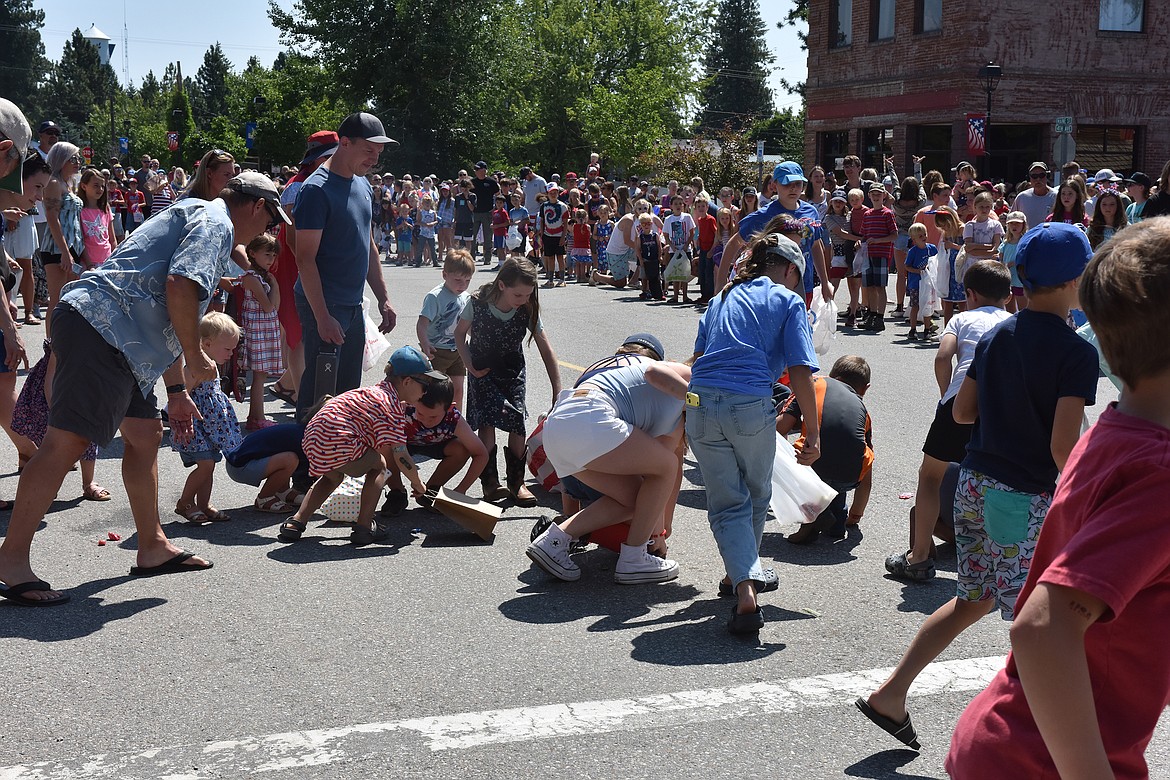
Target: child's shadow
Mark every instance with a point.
(318, 548)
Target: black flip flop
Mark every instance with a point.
(903, 732)
(15, 594)
(175, 565)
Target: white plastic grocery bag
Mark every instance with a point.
(797, 492)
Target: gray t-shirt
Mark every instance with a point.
(1035, 207)
(533, 187)
(637, 402)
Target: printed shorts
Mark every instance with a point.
(996, 528)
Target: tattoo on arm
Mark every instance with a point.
(1080, 610)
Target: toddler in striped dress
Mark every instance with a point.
(357, 434)
(260, 323)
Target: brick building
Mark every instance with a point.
(898, 77)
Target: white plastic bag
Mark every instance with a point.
(929, 300)
(861, 258)
(797, 492)
(376, 343)
(513, 240)
(822, 317)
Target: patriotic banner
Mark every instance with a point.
(976, 135)
(172, 140)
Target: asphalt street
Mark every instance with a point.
(437, 655)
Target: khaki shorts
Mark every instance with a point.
(363, 465)
(449, 362)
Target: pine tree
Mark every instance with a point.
(151, 90)
(737, 66)
(78, 83)
(210, 94)
(23, 65)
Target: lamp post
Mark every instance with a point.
(990, 75)
(259, 104)
(126, 132)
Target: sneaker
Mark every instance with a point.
(642, 567)
(900, 568)
(912, 335)
(877, 324)
(395, 503)
(550, 552)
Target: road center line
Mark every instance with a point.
(320, 747)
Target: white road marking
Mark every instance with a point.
(320, 747)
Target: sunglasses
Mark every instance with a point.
(1037, 175)
(273, 218)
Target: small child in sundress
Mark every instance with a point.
(602, 231)
(260, 324)
(217, 432)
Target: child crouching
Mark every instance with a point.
(357, 434)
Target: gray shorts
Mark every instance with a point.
(94, 388)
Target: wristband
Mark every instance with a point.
(176, 389)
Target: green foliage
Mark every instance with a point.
(783, 134)
(736, 91)
(721, 155)
(22, 56)
(77, 83)
(210, 96)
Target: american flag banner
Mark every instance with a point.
(976, 134)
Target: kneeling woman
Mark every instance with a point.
(618, 432)
(751, 332)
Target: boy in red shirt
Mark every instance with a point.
(1089, 675)
(500, 222)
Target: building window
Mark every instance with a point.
(928, 16)
(934, 143)
(881, 20)
(876, 145)
(1122, 15)
(833, 148)
(841, 29)
(1100, 146)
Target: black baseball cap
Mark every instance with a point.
(365, 126)
(1139, 178)
(49, 126)
(481, 166)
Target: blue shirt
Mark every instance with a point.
(811, 231)
(442, 307)
(342, 208)
(750, 336)
(125, 298)
(918, 258)
(219, 430)
(1022, 367)
(267, 442)
(637, 401)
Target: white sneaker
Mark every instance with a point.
(642, 567)
(550, 552)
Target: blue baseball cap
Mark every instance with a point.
(1051, 254)
(649, 341)
(788, 172)
(408, 361)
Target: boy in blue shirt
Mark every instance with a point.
(917, 258)
(1026, 392)
(440, 314)
(403, 227)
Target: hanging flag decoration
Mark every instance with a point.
(172, 140)
(976, 135)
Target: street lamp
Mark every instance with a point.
(259, 104)
(990, 75)
(126, 133)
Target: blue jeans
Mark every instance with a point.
(349, 359)
(733, 437)
(706, 274)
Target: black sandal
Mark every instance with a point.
(291, 530)
(903, 732)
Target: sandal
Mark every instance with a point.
(378, 532)
(771, 583)
(899, 567)
(31, 319)
(288, 396)
(273, 504)
(216, 516)
(291, 496)
(903, 732)
(193, 514)
(291, 530)
(95, 492)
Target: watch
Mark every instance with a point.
(176, 389)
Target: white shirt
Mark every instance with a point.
(968, 327)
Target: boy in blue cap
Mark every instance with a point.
(1018, 447)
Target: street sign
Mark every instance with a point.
(1064, 124)
(87, 155)
(1066, 149)
(249, 134)
(760, 150)
(124, 146)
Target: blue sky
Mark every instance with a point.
(162, 32)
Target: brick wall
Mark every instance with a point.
(1055, 63)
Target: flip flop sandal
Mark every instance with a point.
(98, 493)
(903, 732)
(15, 594)
(175, 565)
(288, 396)
(193, 515)
(291, 530)
(771, 583)
(6, 506)
(274, 505)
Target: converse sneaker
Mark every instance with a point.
(550, 552)
(636, 566)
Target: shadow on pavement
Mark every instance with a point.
(925, 597)
(703, 638)
(885, 766)
(85, 614)
(247, 528)
(822, 552)
(314, 547)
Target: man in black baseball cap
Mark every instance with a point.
(366, 127)
(486, 188)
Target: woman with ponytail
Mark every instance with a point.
(752, 331)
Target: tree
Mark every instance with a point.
(178, 120)
(23, 65)
(150, 90)
(79, 82)
(210, 93)
(737, 91)
(721, 157)
(783, 134)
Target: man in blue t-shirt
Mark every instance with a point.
(788, 182)
(336, 255)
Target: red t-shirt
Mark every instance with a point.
(134, 200)
(581, 235)
(707, 226)
(500, 222)
(879, 223)
(1107, 535)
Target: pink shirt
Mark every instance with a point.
(96, 225)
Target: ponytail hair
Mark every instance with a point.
(760, 259)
